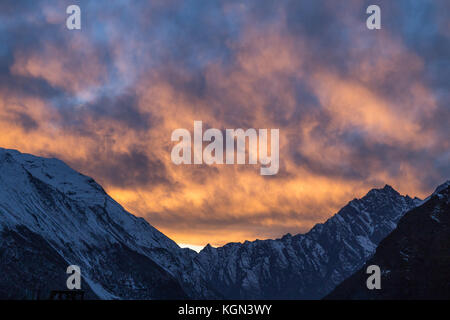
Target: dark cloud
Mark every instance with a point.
(123, 109)
(25, 121)
(133, 168)
(355, 107)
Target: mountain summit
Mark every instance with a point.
(414, 259)
(305, 266)
(52, 216)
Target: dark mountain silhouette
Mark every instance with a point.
(414, 259)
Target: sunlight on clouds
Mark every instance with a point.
(351, 117)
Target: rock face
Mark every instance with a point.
(414, 259)
(51, 217)
(305, 266)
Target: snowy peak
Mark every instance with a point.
(50, 211)
(57, 174)
(387, 193)
(76, 222)
(385, 202)
(304, 266)
(442, 188)
(413, 258)
(386, 189)
(438, 191)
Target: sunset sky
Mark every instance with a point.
(356, 108)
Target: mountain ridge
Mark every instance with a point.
(76, 217)
(414, 259)
(300, 265)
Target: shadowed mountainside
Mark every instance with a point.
(414, 259)
(52, 216)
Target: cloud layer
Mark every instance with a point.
(356, 108)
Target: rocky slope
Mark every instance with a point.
(414, 259)
(51, 217)
(305, 266)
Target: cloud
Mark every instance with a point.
(77, 74)
(356, 108)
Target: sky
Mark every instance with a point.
(356, 108)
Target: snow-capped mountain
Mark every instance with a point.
(305, 266)
(52, 216)
(414, 259)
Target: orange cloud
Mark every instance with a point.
(75, 67)
(257, 88)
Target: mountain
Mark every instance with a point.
(52, 216)
(304, 266)
(414, 259)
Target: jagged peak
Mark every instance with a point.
(286, 236)
(387, 189)
(442, 187)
